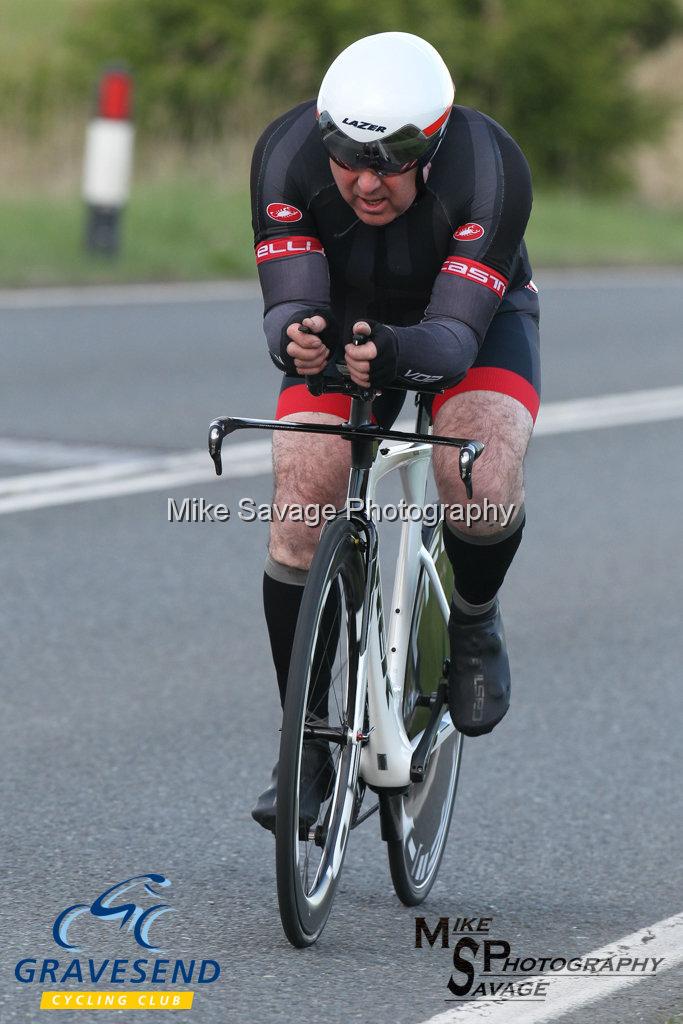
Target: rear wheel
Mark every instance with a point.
(416, 823)
(320, 745)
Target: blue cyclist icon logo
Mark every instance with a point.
(139, 919)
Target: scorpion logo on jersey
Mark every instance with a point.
(468, 232)
(283, 212)
(138, 919)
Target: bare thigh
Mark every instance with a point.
(308, 469)
(505, 426)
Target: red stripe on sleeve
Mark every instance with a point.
(477, 272)
(293, 245)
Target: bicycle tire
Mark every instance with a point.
(417, 822)
(338, 568)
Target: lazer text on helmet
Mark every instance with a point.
(365, 124)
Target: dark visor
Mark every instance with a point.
(395, 154)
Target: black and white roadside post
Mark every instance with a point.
(108, 161)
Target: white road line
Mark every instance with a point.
(160, 481)
(128, 294)
(239, 454)
(620, 410)
(27, 452)
(570, 992)
(62, 480)
(252, 458)
(65, 487)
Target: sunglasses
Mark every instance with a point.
(396, 154)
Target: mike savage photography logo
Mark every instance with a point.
(132, 906)
(486, 969)
(199, 510)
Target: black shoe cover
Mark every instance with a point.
(263, 811)
(479, 681)
(317, 775)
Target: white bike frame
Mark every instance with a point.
(386, 755)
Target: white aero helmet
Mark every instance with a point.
(384, 103)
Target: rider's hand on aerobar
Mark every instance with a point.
(328, 335)
(381, 367)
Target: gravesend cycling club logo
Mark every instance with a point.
(468, 232)
(283, 212)
(138, 919)
(134, 907)
(486, 969)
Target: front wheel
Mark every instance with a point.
(321, 735)
(416, 823)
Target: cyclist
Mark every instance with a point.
(385, 210)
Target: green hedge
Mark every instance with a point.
(556, 74)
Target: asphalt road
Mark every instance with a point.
(139, 711)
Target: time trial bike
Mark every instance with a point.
(367, 692)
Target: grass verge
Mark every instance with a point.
(567, 230)
(196, 229)
(177, 230)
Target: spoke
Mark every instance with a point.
(341, 676)
(338, 674)
(329, 635)
(333, 679)
(305, 878)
